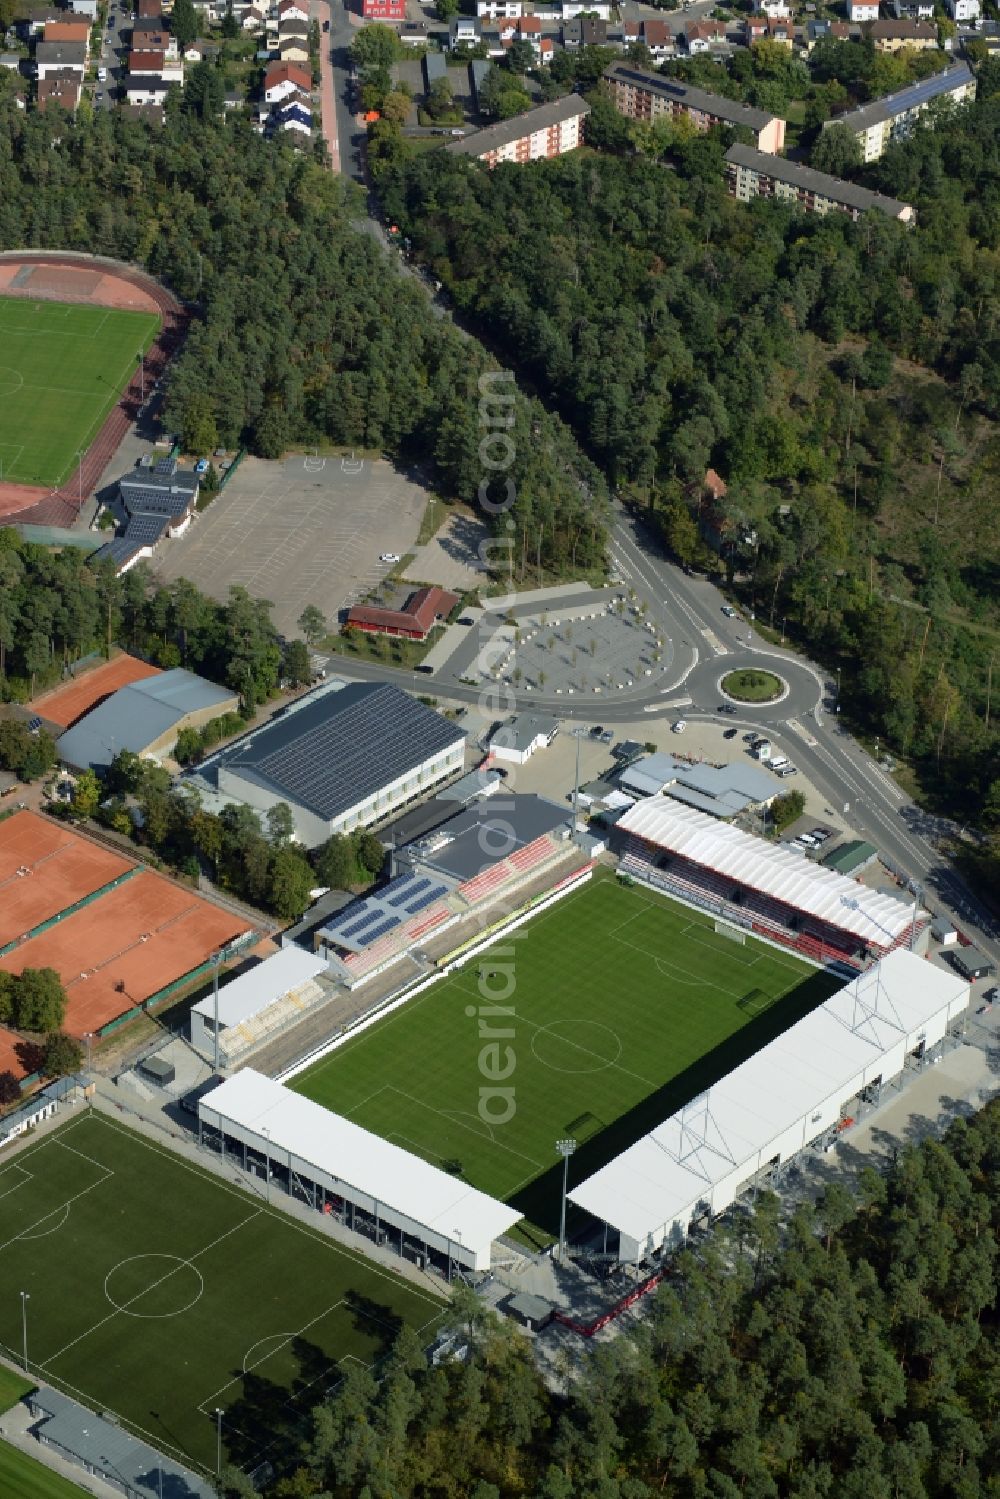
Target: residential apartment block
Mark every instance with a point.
(888, 119)
(964, 10)
(550, 130)
(639, 95)
(383, 10)
(759, 174)
(862, 10)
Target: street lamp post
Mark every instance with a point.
(565, 1149)
(88, 1037)
(267, 1165)
(25, 1298)
(783, 618)
(458, 1235)
(79, 479)
(218, 1441)
(142, 378)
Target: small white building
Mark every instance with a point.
(573, 8)
(499, 10)
(87, 8)
(520, 736)
(964, 10)
(862, 10)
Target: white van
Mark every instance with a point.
(102, 75)
(778, 762)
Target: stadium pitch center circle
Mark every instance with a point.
(174, 1282)
(11, 380)
(576, 1046)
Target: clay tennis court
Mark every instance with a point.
(65, 705)
(125, 947)
(9, 1059)
(44, 868)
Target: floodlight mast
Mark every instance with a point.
(565, 1148)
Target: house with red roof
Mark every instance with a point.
(423, 610)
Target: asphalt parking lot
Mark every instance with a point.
(299, 531)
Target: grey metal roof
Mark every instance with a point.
(730, 110)
(435, 67)
(468, 787)
(780, 169)
(111, 1451)
(523, 729)
(914, 97)
(344, 747)
(119, 551)
(722, 790)
(71, 54)
(146, 82)
(493, 137)
(136, 716)
(483, 834)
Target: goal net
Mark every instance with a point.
(734, 933)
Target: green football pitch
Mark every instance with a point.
(24, 1478)
(62, 368)
(624, 1004)
(160, 1292)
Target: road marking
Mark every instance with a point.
(675, 702)
(798, 728)
(681, 679)
(715, 642)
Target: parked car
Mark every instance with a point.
(597, 731)
(201, 467)
(730, 733)
(788, 770)
(729, 611)
(388, 556)
(680, 726)
(607, 736)
(820, 834)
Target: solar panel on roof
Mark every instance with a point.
(380, 930)
(414, 887)
(425, 900)
(359, 926)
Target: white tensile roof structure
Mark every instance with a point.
(251, 992)
(773, 1104)
(877, 919)
(380, 1178)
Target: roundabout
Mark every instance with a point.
(753, 685)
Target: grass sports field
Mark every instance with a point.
(62, 368)
(625, 1006)
(160, 1292)
(24, 1478)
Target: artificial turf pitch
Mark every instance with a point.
(625, 1006)
(62, 368)
(160, 1292)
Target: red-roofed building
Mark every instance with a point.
(422, 611)
(282, 79)
(383, 10)
(145, 62)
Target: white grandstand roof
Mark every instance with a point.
(661, 1178)
(399, 1181)
(777, 872)
(257, 989)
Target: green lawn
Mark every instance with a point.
(22, 1477)
(62, 368)
(160, 1292)
(12, 1388)
(752, 686)
(625, 1006)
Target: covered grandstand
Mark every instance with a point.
(764, 888)
(339, 1169)
(259, 1004)
(799, 1090)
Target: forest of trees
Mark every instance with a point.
(302, 333)
(843, 379)
(847, 1351)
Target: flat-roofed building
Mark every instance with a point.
(639, 95)
(876, 124)
(756, 174)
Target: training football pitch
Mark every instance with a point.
(160, 1292)
(624, 1006)
(62, 368)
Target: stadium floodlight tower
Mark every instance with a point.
(216, 961)
(565, 1149)
(25, 1298)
